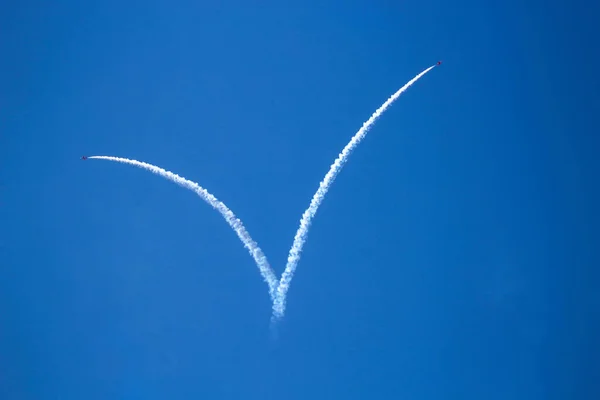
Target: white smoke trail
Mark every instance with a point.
(232, 220)
(279, 302)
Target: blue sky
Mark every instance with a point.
(455, 256)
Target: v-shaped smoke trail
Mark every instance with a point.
(232, 220)
(302, 233)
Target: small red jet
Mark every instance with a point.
(438, 63)
(84, 158)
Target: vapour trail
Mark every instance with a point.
(279, 301)
(259, 257)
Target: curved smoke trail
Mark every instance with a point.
(279, 301)
(232, 220)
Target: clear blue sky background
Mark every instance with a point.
(456, 256)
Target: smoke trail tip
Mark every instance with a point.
(274, 324)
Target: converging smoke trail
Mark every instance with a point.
(279, 301)
(232, 220)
